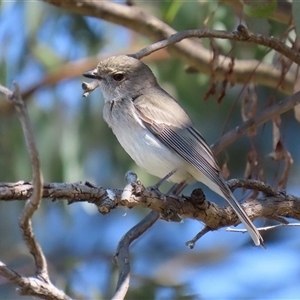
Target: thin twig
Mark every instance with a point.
(41, 285)
(229, 229)
(242, 35)
(259, 119)
(252, 184)
(37, 181)
(32, 286)
(191, 243)
(122, 253)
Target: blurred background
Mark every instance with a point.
(46, 49)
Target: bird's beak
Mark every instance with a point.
(93, 74)
(89, 87)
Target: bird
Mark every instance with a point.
(157, 133)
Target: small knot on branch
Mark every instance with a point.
(243, 32)
(107, 203)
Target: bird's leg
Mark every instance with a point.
(157, 185)
(171, 214)
(177, 188)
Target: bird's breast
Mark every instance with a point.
(145, 149)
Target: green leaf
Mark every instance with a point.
(261, 9)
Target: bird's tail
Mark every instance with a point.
(254, 233)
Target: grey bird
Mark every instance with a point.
(156, 132)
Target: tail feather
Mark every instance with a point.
(223, 190)
(254, 233)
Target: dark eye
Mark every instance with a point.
(118, 76)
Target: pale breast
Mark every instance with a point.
(143, 147)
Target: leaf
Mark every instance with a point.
(260, 9)
(279, 153)
(249, 107)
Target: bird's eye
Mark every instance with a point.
(118, 76)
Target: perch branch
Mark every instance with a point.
(193, 207)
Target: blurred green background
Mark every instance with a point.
(45, 50)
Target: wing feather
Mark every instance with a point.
(186, 141)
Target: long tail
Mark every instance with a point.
(254, 233)
(220, 187)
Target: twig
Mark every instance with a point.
(32, 286)
(192, 242)
(30, 207)
(259, 119)
(122, 253)
(229, 229)
(242, 35)
(37, 181)
(253, 185)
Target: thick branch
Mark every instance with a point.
(193, 207)
(190, 51)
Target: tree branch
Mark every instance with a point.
(190, 51)
(30, 286)
(242, 34)
(259, 119)
(194, 207)
(122, 253)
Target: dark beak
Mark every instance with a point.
(91, 74)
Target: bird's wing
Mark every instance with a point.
(180, 136)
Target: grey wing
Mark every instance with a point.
(186, 141)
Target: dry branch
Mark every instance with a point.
(194, 207)
(190, 51)
(32, 286)
(122, 253)
(259, 119)
(40, 285)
